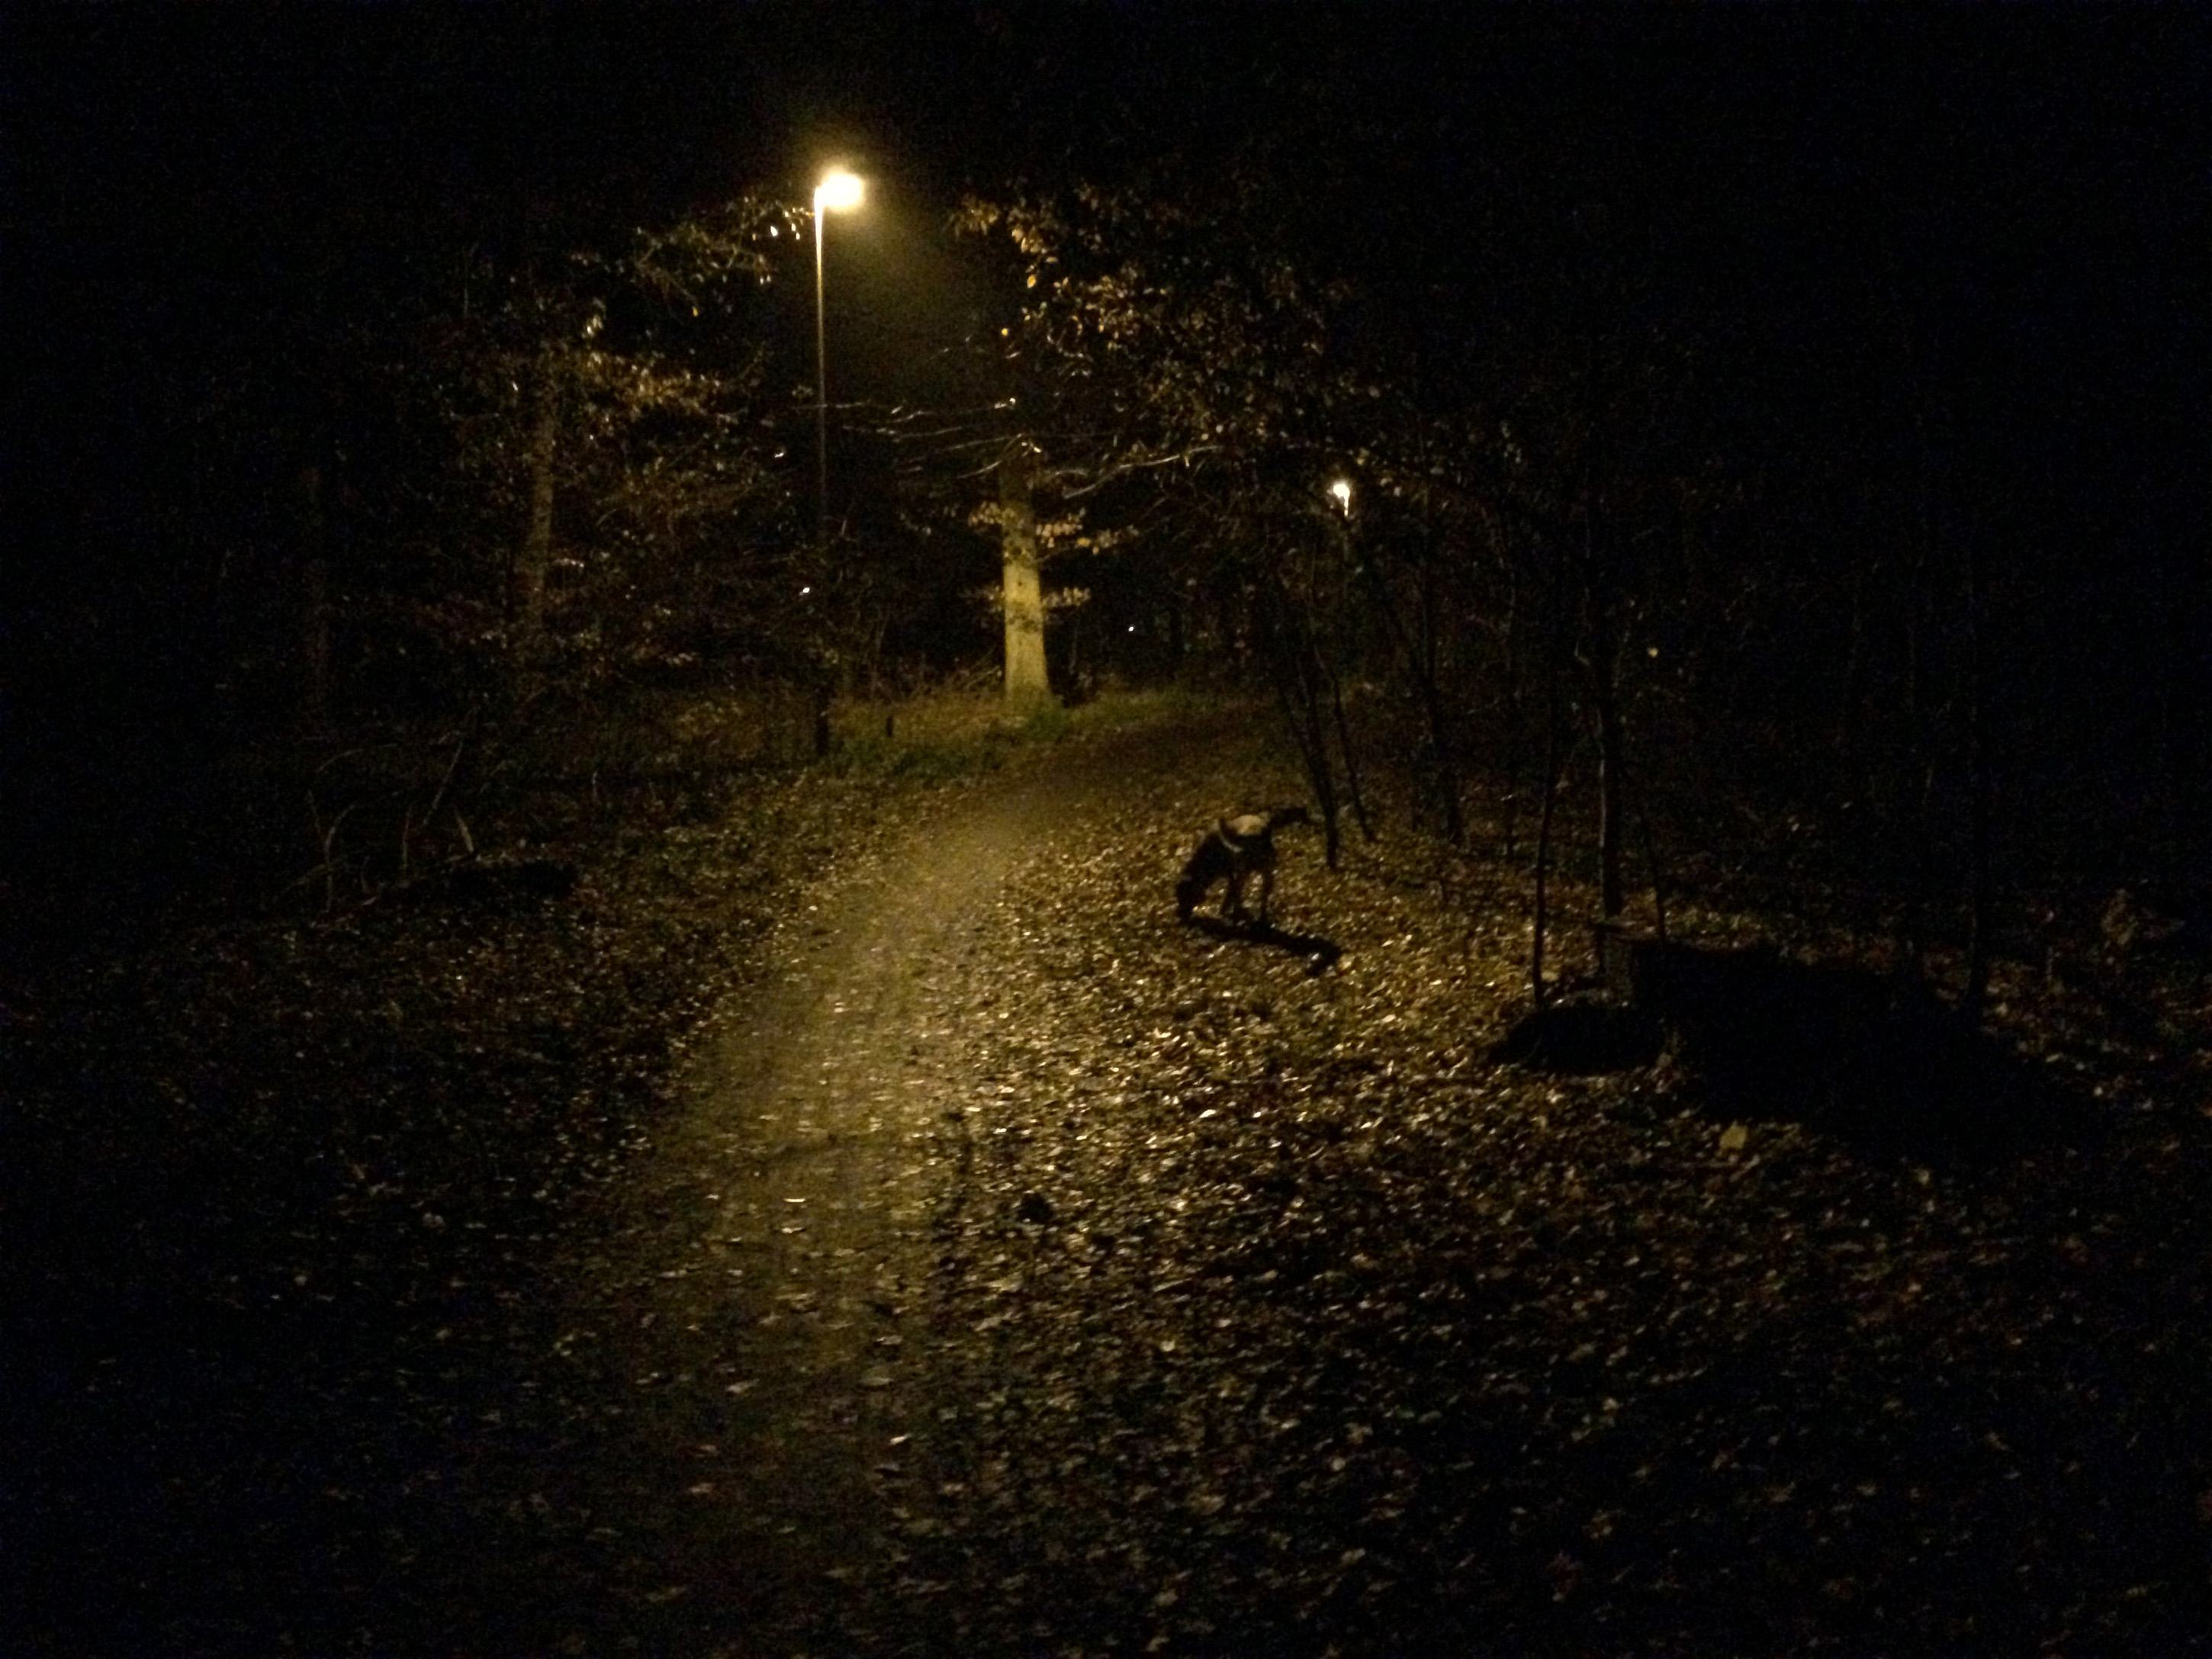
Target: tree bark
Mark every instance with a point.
(1541, 919)
(535, 560)
(1023, 591)
(1611, 760)
(1555, 669)
(1602, 600)
(1296, 669)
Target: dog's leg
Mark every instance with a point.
(1266, 890)
(1198, 875)
(1233, 909)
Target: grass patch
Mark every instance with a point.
(939, 736)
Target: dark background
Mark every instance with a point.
(1839, 376)
(1872, 223)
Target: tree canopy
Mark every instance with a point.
(1810, 406)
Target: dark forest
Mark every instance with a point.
(1711, 500)
(1831, 386)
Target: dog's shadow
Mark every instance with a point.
(1883, 1065)
(1321, 954)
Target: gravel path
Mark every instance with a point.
(772, 1296)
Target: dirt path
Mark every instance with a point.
(765, 1304)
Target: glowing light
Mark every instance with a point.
(838, 191)
(1341, 489)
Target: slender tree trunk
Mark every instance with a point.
(534, 561)
(1294, 666)
(1551, 783)
(1351, 760)
(1916, 825)
(822, 696)
(1606, 689)
(314, 601)
(1442, 743)
(1026, 680)
(1517, 713)
(1658, 877)
(1555, 670)
(1605, 696)
(1980, 881)
(1421, 669)
(1444, 736)
(1302, 710)
(1338, 590)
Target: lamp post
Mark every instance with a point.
(838, 191)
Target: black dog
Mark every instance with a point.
(1235, 848)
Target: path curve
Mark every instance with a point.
(765, 1294)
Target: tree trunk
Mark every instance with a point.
(1351, 760)
(1541, 919)
(1981, 889)
(1026, 681)
(1606, 694)
(314, 602)
(1516, 718)
(1293, 668)
(1555, 669)
(1602, 619)
(535, 560)
(1421, 667)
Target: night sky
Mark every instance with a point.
(176, 173)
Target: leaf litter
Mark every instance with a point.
(1258, 1310)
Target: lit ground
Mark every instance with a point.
(1011, 1270)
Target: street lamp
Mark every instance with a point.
(1339, 489)
(838, 191)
